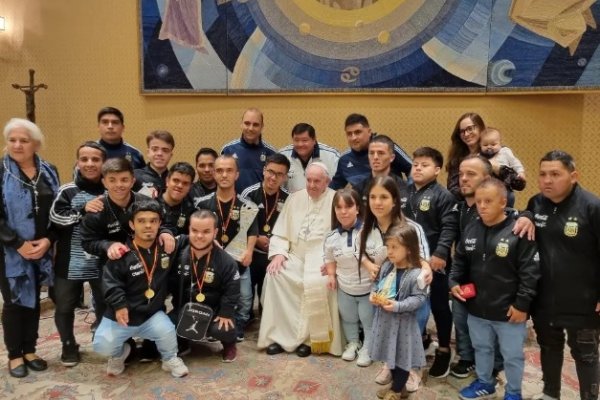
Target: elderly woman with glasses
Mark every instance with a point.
(464, 141)
(29, 185)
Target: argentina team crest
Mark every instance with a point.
(235, 213)
(425, 204)
(571, 227)
(164, 261)
(502, 248)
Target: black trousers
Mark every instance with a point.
(399, 378)
(440, 308)
(258, 270)
(66, 295)
(584, 350)
(20, 323)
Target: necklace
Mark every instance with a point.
(200, 297)
(269, 214)
(308, 226)
(32, 184)
(181, 219)
(225, 223)
(149, 293)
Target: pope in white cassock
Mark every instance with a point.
(299, 312)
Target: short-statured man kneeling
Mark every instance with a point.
(135, 288)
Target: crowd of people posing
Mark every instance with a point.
(348, 254)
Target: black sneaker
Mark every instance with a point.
(148, 351)
(462, 369)
(240, 337)
(441, 364)
(184, 349)
(426, 341)
(70, 356)
(133, 352)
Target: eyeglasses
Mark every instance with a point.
(468, 129)
(278, 175)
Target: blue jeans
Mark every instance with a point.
(110, 336)
(355, 309)
(423, 315)
(464, 347)
(244, 305)
(511, 338)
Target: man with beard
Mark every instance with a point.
(473, 170)
(232, 212)
(206, 274)
(567, 220)
(135, 289)
(205, 168)
(73, 266)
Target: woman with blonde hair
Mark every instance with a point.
(29, 185)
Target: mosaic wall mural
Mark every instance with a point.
(240, 46)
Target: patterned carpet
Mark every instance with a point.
(254, 375)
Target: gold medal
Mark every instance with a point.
(200, 297)
(269, 214)
(224, 238)
(149, 293)
(181, 221)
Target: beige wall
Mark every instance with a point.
(87, 52)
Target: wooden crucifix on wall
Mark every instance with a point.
(30, 94)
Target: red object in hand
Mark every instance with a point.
(468, 291)
(123, 250)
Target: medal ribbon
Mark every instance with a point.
(150, 274)
(195, 269)
(268, 214)
(225, 224)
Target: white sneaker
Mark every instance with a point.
(176, 366)
(363, 357)
(384, 376)
(430, 350)
(116, 365)
(414, 379)
(542, 396)
(350, 351)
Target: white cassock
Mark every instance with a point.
(297, 306)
